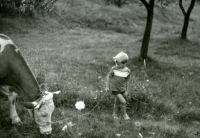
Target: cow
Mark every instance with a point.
(17, 79)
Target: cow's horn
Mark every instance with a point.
(56, 92)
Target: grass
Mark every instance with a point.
(73, 49)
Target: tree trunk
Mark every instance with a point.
(186, 17)
(185, 28)
(147, 33)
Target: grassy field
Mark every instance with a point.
(73, 48)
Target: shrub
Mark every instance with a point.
(118, 3)
(25, 7)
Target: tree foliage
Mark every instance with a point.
(25, 7)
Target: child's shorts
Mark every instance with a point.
(118, 92)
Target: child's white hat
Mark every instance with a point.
(121, 57)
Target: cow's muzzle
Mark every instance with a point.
(47, 133)
(46, 130)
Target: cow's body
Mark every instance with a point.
(16, 78)
(15, 72)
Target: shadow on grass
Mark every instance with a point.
(178, 47)
(162, 89)
(188, 115)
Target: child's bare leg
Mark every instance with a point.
(116, 106)
(123, 106)
(122, 103)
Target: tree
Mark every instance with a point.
(145, 42)
(186, 17)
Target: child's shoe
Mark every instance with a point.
(126, 117)
(115, 117)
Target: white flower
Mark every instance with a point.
(95, 97)
(118, 135)
(138, 124)
(63, 113)
(64, 128)
(80, 105)
(152, 133)
(70, 124)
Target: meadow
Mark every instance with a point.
(71, 50)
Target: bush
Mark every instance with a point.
(25, 7)
(9, 6)
(118, 3)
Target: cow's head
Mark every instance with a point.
(41, 111)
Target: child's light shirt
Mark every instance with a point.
(118, 78)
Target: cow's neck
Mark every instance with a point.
(27, 87)
(23, 80)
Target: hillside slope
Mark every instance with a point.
(130, 19)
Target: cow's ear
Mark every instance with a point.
(5, 90)
(28, 105)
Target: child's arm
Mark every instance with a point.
(108, 79)
(127, 83)
(107, 82)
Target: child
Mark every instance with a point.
(118, 83)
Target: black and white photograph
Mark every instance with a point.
(99, 68)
